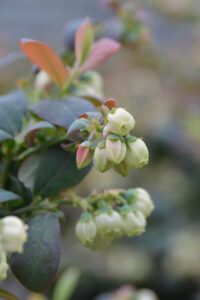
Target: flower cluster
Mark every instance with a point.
(13, 235)
(114, 214)
(107, 141)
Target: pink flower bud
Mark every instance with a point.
(115, 149)
(83, 155)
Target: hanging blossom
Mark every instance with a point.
(13, 235)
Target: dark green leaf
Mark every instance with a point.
(12, 108)
(8, 196)
(31, 131)
(62, 112)
(18, 188)
(27, 170)
(74, 131)
(7, 295)
(57, 171)
(36, 267)
(4, 135)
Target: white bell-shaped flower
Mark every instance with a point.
(13, 234)
(120, 121)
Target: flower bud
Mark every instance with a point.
(13, 234)
(137, 154)
(123, 168)
(42, 81)
(3, 265)
(86, 229)
(106, 132)
(133, 222)
(146, 294)
(119, 121)
(100, 159)
(115, 149)
(108, 223)
(143, 202)
(84, 154)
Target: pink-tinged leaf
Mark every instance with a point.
(46, 59)
(83, 42)
(101, 51)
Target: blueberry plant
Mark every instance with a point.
(53, 128)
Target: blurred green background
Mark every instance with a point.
(159, 83)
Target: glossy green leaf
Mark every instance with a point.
(31, 131)
(62, 112)
(66, 284)
(57, 171)
(6, 196)
(27, 170)
(4, 135)
(36, 267)
(74, 131)
(12, 109)
(6, 295)
(18, 188)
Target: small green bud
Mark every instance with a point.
(120, 121)
(115, 149)
(133, 222)
(137, 154)
(86, 229)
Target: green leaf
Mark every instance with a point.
(36, 267)
(18, 188)
(74, 131)
(6, 196)
(12, 109)
(27, 170)
(32, 130)
(7, 295)
(66, 284)
(62, 112)
(57, 171)
(4, 135)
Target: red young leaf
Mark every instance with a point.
(46, 59)
(110, 103)
(83, 41)
(101, 50)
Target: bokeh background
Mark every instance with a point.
(157, 77)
